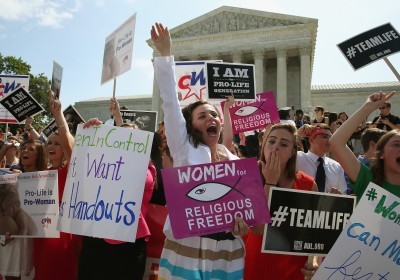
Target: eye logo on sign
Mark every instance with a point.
(193, 84)
(207, 192)
(248, 110)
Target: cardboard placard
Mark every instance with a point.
(206, 198)
(118, 48)
(105, 182)
(226, 78)
(145, 120)
(251, 115)
(30, 204)
(8, 84)
(305, 222)
(21, 104)
(371, 45)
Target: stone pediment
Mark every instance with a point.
(230, 19)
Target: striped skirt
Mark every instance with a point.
(202, 258)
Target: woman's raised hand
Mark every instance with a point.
(161, 39)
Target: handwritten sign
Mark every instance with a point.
(251, 115)
(368, 247)
(21, 104)
(226, 78)
(205, 199)
(305, 222)
(105, 182)
(145, 120)
(8, 84)
(29, 204)
(371, 46)
(118, 48)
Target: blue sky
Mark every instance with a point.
(73, 33)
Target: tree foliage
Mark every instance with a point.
(38, 85)
(12, 65)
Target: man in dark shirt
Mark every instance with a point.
(298, 118)
(386, 121)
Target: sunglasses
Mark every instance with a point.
(316, 110)
(381, 108)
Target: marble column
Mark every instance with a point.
(237, 57)
(259, 70)
(305, 78)
(281, 62)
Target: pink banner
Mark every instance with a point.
(205, 199)
(251, 115)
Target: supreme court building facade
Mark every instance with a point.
(280, 46)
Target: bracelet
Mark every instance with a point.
(60, 126)
(29, 129)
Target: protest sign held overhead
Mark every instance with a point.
(56, 79)
(72, 117)
(30, 204)
(251, 115)
(118, 48)
(8, 84)
(228, 78)
(305, 222)
(145, 120)
(191, 81)
(105, 182)
(371, 45)
(368, 247)
(206, 198)
(21, 104)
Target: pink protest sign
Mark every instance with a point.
(251, 115)
(205, 199)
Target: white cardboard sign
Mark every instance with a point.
(105, 182)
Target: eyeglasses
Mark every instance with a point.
(316, 110)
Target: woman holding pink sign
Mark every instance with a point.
(192, 136)
(278, 168)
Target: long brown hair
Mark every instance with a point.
(194, 134)
(290, 170)
(41, 159)
(378, 163)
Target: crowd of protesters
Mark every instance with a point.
(352, 151)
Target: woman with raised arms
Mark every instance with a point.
(192, 136)
(57, 258)
(385, 168)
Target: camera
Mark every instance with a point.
(11, 143)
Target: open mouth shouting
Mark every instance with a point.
(212, 130)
